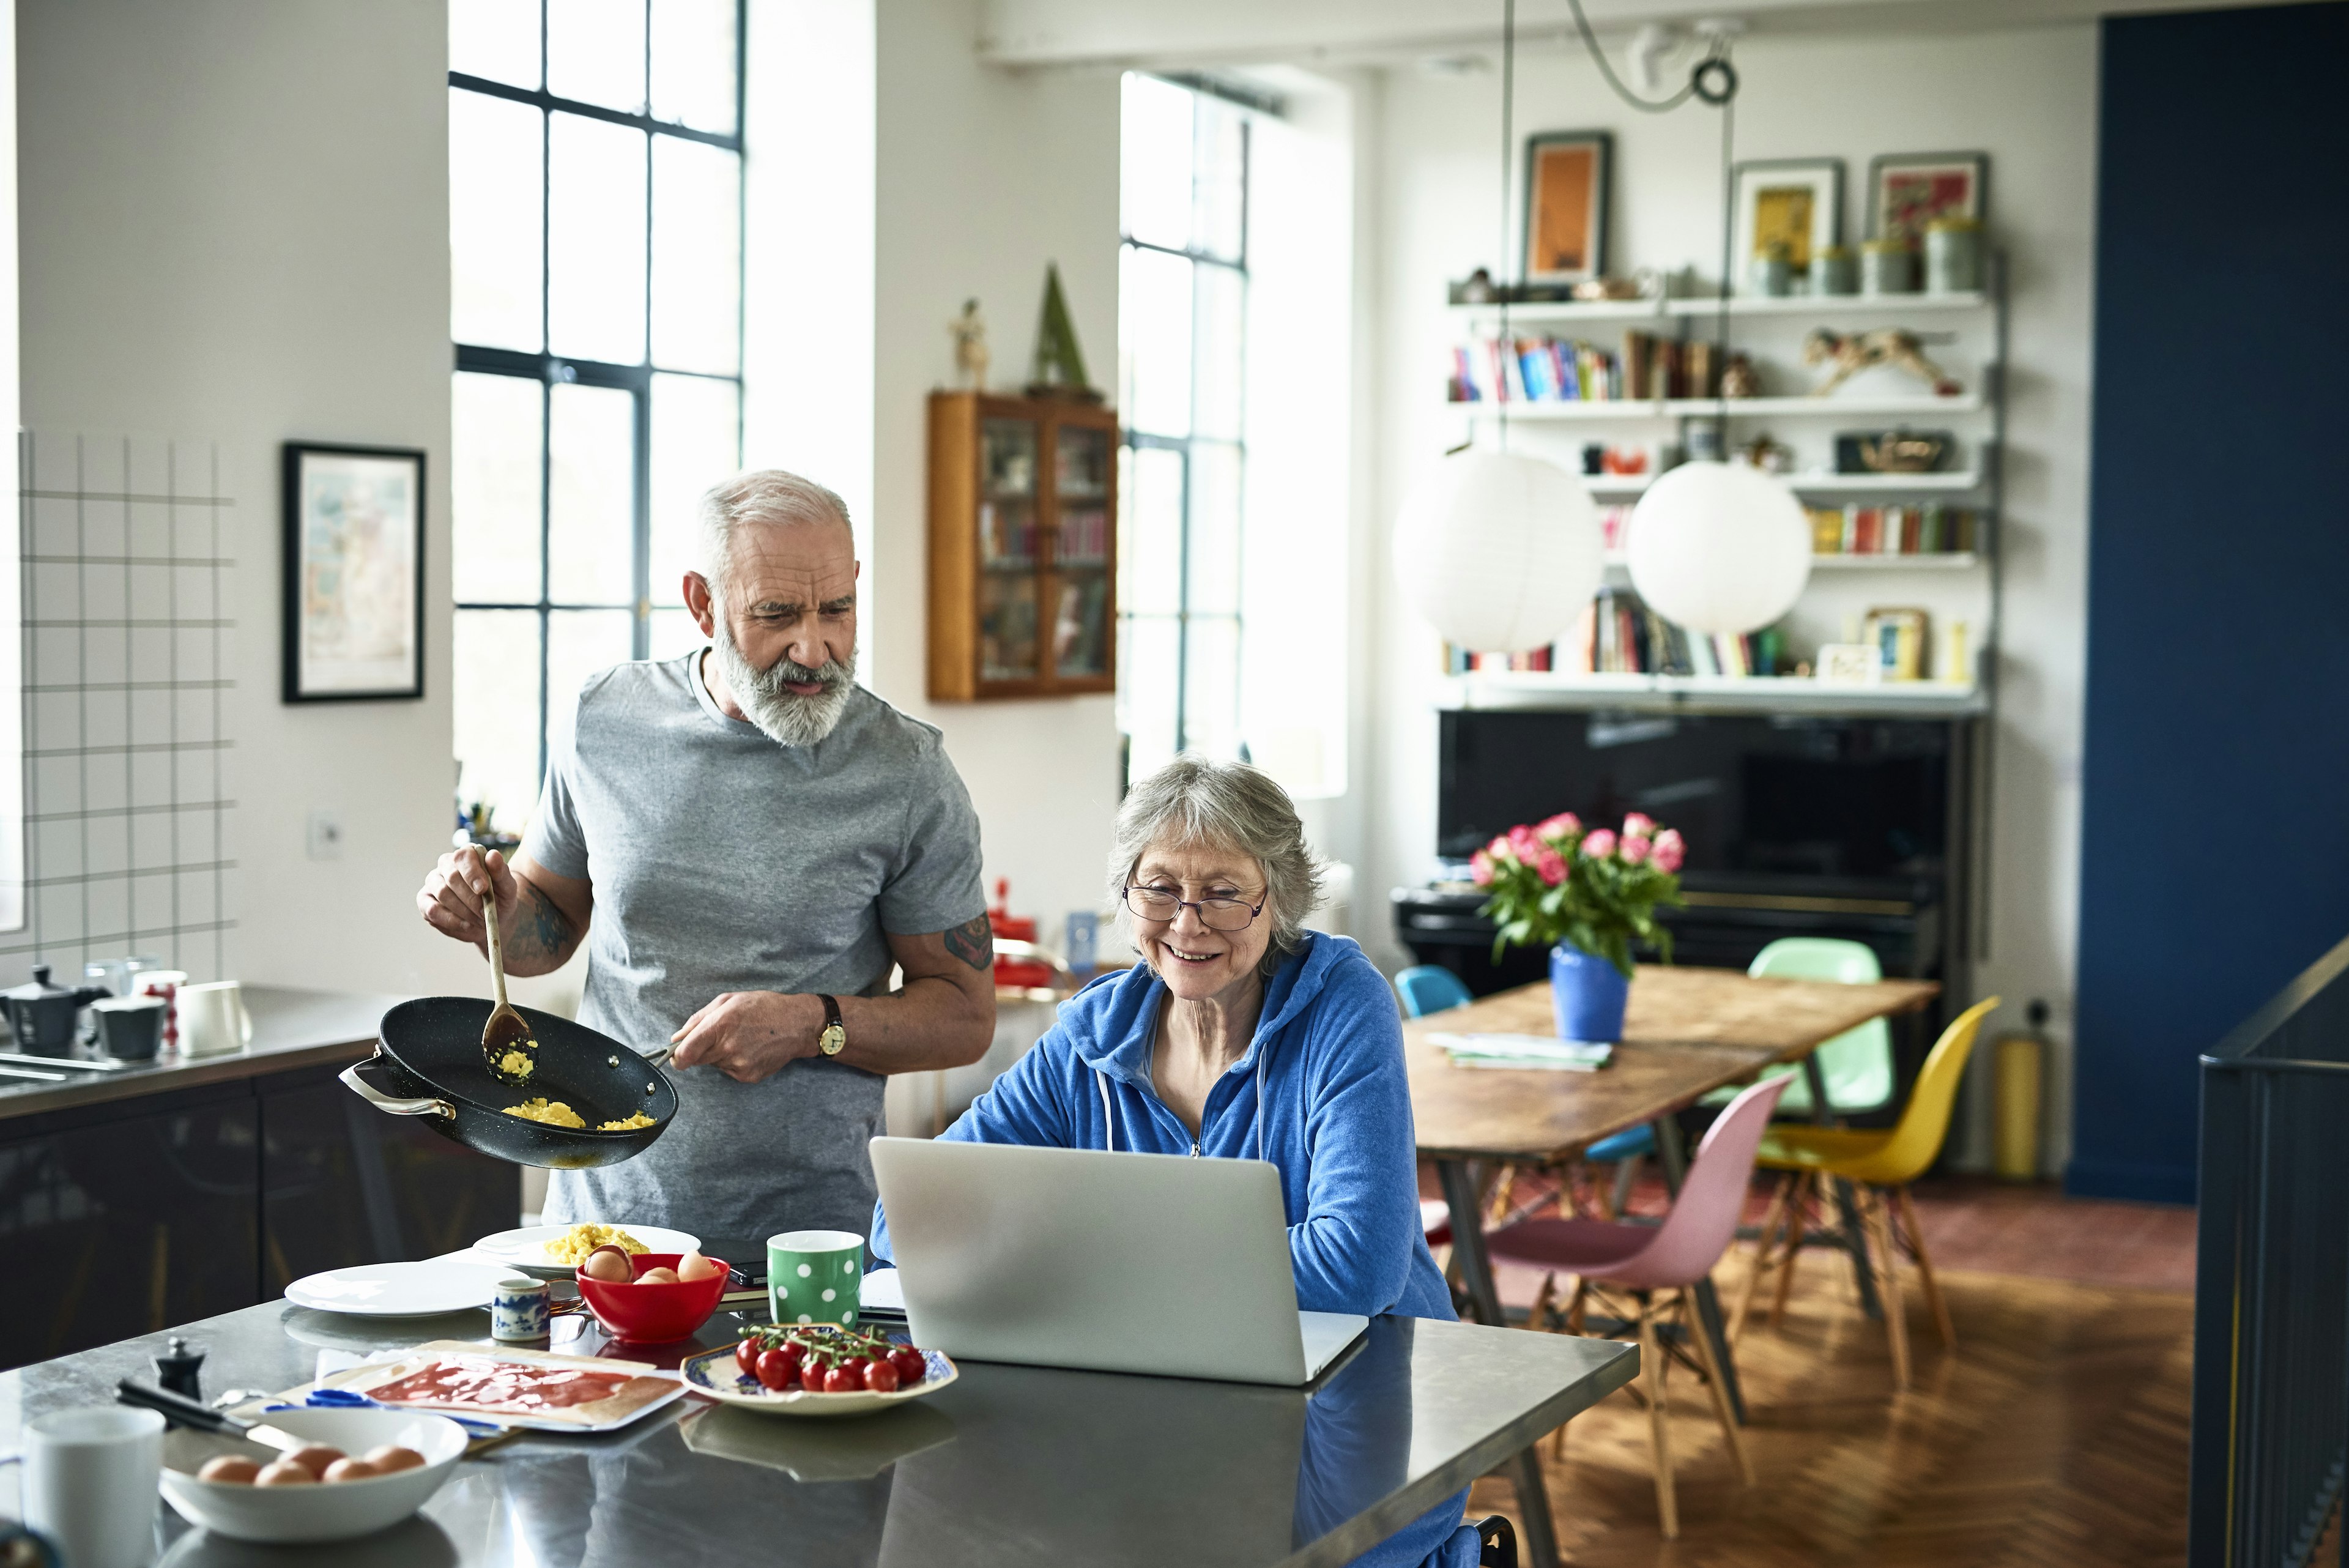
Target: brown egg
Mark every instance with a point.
(230, 1469)
(610, 1264)
(694, 1266)
(315, 1458)
(392, 1456)
(285, 1472)
(350, 1471)
(658, 1277)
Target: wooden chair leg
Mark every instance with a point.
(1760, 1262)
(1542, 1299)
(1714, 1387)
(1660, 1439)
(1886, 1267)
(1496, 1207)
(1932, 1287)
(1798, 1225)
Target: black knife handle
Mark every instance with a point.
(179, 1411)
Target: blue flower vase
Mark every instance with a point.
(1587, 995)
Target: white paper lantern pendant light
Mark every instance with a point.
(1719, 547)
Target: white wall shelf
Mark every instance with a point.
(1842, 305)
(1624, 410)
(1914, 561)
(1894, 484)
(1786, 693)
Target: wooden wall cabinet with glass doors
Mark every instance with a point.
(1023, 546)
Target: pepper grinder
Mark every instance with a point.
(181, 1370)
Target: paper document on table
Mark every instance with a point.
(1523, 1051)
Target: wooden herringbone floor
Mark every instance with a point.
(2055, 1436)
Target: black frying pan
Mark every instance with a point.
(429, 1059)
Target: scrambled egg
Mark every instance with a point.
(554, 1114)
(515, 1062)
(638, 1120)
(573, 1245)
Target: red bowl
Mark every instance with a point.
(654, 1314)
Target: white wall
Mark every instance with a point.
(2027, 97)
(235, 225)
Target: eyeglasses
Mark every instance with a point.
(1223, 912)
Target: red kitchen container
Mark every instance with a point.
(654, 1314)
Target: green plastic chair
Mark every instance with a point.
(1857, 1063)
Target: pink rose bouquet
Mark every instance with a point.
(1592, 889)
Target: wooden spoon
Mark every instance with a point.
(506, 1030)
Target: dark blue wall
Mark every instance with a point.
(2215, 821)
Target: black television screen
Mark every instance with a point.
(1781, 797)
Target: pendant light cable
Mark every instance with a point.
(1508, 151)
(1728, 215)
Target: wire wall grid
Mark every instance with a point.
(125, 543)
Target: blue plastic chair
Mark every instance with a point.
(1427, 988)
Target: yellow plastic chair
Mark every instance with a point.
(1879, 1164)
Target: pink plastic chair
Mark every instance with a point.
(1641, 1273)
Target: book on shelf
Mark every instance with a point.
(1547, 369)
(1083, 538)
(1619, 635)
(1922, 529)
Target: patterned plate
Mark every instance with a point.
(715, 1373)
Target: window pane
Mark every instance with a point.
(693, 62)
(697, 441)
(673, 633)
(494, 189)
(578, 644)
(496, 723)
(1212, 581)
(590, 529)
(1146, 659)
(1218, 223)
(596, 301)
(497, 435)
(697, 257)
(595, 52)
(1150, 543)
(1155, 176)
(1153, 339)
(495, 38)
(1222, 301)
(1211, 694)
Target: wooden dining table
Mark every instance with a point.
(1686, 1033)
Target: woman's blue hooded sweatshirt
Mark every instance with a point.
(1320, 1093)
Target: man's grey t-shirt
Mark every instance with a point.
(722, 861)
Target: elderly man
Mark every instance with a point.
(746, 839)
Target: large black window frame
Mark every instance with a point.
(1186, 448)
(550, 370)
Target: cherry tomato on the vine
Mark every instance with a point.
(881, 1376)
(841, 1380)
(745, 1356)
(775, 1372)
(910, 1363)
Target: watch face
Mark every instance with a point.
(833, 1040)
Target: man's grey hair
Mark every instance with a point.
(1193, 802)
(769, 496)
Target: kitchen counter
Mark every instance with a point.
(290, 1028)
(1009, 1465)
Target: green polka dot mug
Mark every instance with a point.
(812, 1276)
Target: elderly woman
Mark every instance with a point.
(1242, 1035)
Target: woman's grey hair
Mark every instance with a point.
(759, 496)
(1193, 802)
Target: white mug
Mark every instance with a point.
(90, 1481)
(212, 1018)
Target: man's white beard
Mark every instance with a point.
(787, 718)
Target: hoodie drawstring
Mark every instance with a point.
(1109, 1104)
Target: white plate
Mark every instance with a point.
(399, 1290)
(333, 1512)
(714, 1375)
(526, 1249)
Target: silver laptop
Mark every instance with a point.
(1114, 1262)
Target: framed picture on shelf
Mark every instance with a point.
(1794, 201)
(354, 573)
(1907, 190)
(1898, 638)
(1566, 176)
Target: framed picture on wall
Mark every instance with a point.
(1794, 201)
(1567, 175)
(1907, 190)
(354, 573)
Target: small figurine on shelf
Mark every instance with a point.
(1739, 379)
(1893, 346)
(969, 333)
(1476, 288)
(1768, 454)
(1060, 364)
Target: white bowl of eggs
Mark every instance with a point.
(362, 1471)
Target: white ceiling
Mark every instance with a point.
(1170, 33)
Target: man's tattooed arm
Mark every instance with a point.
(973, 941)
(539, 933)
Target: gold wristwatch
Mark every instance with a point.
(835, 1038)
